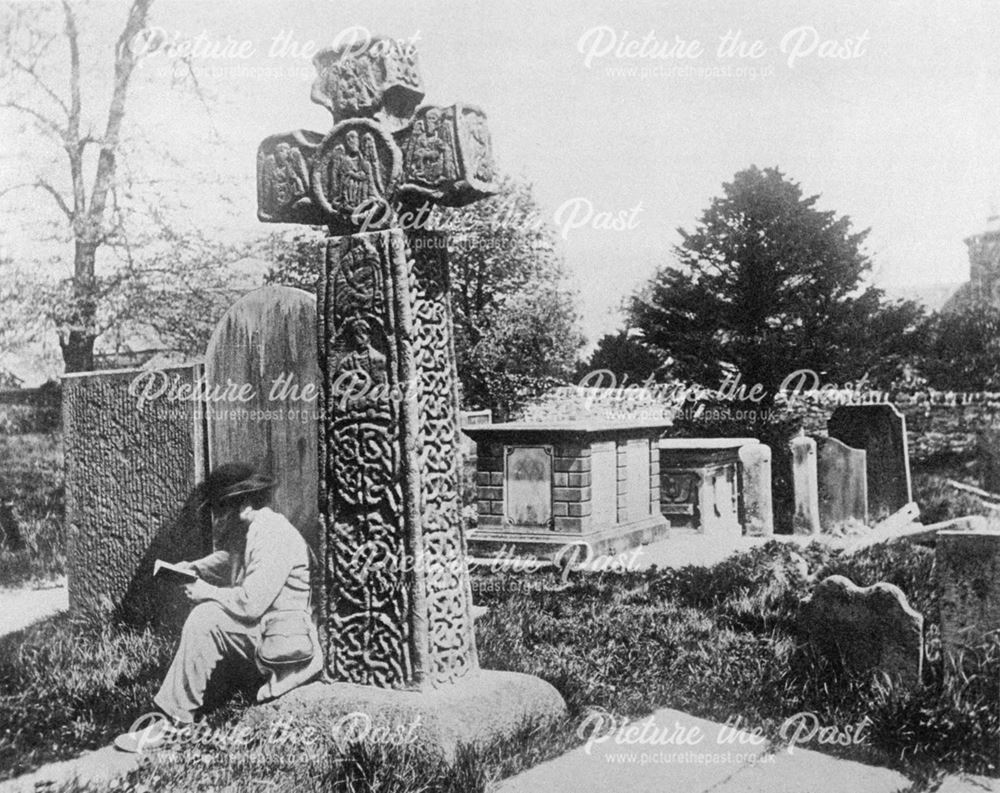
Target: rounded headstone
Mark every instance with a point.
(263, 354)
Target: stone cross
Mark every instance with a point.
(396, 606)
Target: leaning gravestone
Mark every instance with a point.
(843, 485)
(865, 628)
(968, 573)
(261, 362)
(806, 517)
(881, 431)
(396, 613)
(134, 455)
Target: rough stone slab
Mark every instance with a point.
(729, 767)
(964, 783)
(133, 458)
(807, 771)
(866, 627)
(617, 766)
(968, 572)
(480, 708)
(881, 431)
(103, 766)
(917, 533)
(842, 481)
(266, 341)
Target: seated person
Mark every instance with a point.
(253, 603)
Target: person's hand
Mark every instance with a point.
(199, 591)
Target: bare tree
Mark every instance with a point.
(57, 115)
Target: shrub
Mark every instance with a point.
(32, 480)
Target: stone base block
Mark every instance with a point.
(483, 707)
(486, 543)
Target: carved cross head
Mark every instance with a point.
(385, 150)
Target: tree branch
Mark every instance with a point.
(47, 122)
(44, 185)
(41, 184)
(73, 131)
(125, 60)
(30, 71)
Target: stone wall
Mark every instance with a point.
(489, 484)
(931, 428)
(936, 422)
(571, 493)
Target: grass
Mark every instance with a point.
(69, 684)
(31, 476)
(717, 642)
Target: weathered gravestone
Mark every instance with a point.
(843, 485)
(756, 501)
(134, 455)
(262, 393)
(968, 574)
(397, 604)
(865, 628)
(804, 483)
(988, 452)
(11, 538)
(880, 430)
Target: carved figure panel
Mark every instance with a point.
(374, 77)
(354, 176)
(447, 156)
(283, 181)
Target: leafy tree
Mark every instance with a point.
(296, 259)
(625, 356)
(766, 285)
(516, 325)
(515, 317)
(131, 262)
(58, 117)
(963, 350)
(528, 345)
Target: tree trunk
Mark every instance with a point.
(78, 342)
(78, 351)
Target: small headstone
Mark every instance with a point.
(865, 628)
(968, 573)
(758, 513)
(10, 529)
(806, 518)
(843, 485)
(881, 431)
(988, 452)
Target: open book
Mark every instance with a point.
(169, 570)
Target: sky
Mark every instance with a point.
(889, 111)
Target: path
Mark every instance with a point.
(684, 547)
(19, 608)
(705, 758)
(93, 768)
